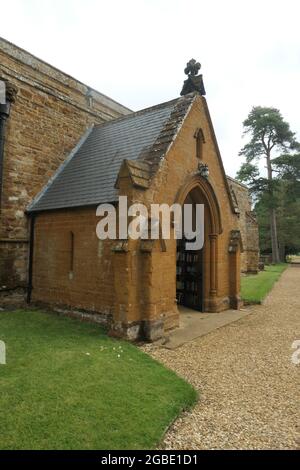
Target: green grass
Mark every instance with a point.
(56, 396)
(255, 287)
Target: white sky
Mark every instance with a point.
(135, 51)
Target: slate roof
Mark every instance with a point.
(88, 175)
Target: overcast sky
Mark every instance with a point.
(135, 51)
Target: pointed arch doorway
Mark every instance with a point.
(196, 270)
(189, 268)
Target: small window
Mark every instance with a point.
(199, 136)
(71, 253)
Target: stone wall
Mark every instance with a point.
(51, 112)
(82, 279)
(247, 226)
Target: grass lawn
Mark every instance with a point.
(66, 385)
(255, 287)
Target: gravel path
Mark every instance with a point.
(249, 388)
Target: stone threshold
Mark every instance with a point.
(194, 324)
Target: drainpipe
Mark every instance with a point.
(4, 113)
(10, 92)
(30, 263)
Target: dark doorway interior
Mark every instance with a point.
(189, 276)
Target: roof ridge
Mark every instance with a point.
(144, 110)
(56, 69)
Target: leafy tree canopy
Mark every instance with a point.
(268, 131)
(277, 196)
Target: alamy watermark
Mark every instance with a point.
(296, 355)
(2, 92)
(2, 353)
(158, 222)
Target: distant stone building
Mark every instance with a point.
(247, 225)
(67, 149)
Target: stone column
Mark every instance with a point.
(153, 323)
(126, 320)
(235, 269)
(213, 260)
(213, 304)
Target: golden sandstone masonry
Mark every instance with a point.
(164, 154)
(247, 225)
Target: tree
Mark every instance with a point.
(287, 168)
(269, 134)
(287, 215)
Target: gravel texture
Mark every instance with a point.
(248, 386)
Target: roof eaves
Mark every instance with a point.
(138, 171)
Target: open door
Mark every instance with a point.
(189, 276)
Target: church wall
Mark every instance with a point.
(51, 113)
(71, 266)
(248, 227)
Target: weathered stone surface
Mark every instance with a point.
(50, 113)
(12, 298)
(152, 331)
(248, 227)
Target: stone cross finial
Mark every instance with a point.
(192, 68)
(194, 82)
